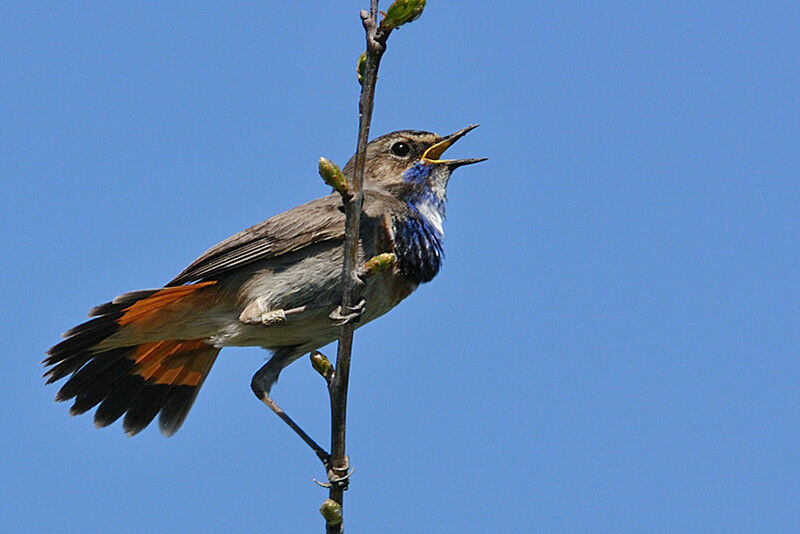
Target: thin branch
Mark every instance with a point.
(353, 275)
(400, 12)
(376, 44)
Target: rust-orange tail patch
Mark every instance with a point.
(139, 381)
(158, 301)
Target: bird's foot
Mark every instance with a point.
(337, 476)
(259, 311)
(351, 316)
(272, 317)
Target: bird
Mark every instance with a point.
(276, 285)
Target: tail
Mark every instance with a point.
(138, 380)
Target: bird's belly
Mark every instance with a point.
(315, 329)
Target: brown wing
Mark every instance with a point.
(311, 223)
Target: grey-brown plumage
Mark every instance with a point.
(319, 221)
(273, 285)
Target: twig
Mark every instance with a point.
(400, 12)
(338, 388)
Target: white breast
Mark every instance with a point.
(428, 209)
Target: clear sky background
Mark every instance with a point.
(612, 344)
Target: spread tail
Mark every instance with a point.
(138, 380)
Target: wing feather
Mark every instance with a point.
(317, 221)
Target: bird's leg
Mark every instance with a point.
(262, 383)
(321, 453)
(259, 312)
(266, 377)
(256, 313)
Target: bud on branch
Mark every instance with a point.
(322, 365)
(361, 67)
(378, 263)
(333, 176)
(331, 511)
(402, 12)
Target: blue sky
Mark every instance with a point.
(612, 344)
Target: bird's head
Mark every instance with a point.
(411, 156)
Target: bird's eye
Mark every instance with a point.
(401, 149)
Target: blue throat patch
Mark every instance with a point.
(418, 173)
(418, 243)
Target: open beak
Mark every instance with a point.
(434, 153)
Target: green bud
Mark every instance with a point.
(333, 176)
(331, 511)
(401, 12)
(321, 364)
(379, 263)
(361, 67)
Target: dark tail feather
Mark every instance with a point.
(136, 381)
(75, 350)
(180, 398)
(139, 382)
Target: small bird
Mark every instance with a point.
(275, 285)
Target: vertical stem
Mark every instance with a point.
(376, 41)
